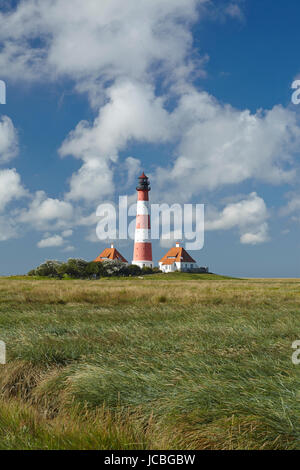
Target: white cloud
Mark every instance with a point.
(254, 238)
(248, 215)
(129, 44)
(133, 113)
(170, 239)
(8, 228)
(67, 233)
(47, 213)
(234, 11)
(93, 181)
(69, 248)
(10, 187)
(88, 220)
(220, 146)
(133, 167)
(292, 208)
(293, 205)
(115, 50)
(92, 237)
(92, 39)
(54, 241)
(8, 140)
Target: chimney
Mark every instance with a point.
(112, 245)
(177, 245)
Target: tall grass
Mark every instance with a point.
(168, 364)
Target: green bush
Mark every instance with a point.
(75, 268)
(81, 269)
(49, 268)
(32, 273)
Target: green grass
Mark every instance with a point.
(178, 276)
(188, 276)
(179, 364)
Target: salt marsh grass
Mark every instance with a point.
(169, 362)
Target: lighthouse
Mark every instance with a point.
(142, 255)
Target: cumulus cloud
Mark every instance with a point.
(133, 167)
(56, 240)
(220, 145)
(234, 11)
(254, 238)
(171, 238)
(10, 187)
(69, 248)
(117, 51)
(128, 45)
(292, 208)
(44, 213)
(53, 241)
(293, 205)
(133, 113)
(217, 145)
(93, 181)
(8, 140)
(249, 215)
(88, 40)
(67, 233)
(8, 228)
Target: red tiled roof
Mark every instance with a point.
(110, 254)
(177, 254)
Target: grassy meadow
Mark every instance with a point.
(163, 362)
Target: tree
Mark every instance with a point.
(81, 269)
(95, 270)
(76, 268)
(133, 270)
(48, 268)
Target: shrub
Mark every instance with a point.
(115, 268)
(133, 270)
(76, 268)
(49, 268)
(32, 273)
(81, 269)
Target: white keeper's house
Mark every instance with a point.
(177, 259)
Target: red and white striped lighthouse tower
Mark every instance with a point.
(142, 255)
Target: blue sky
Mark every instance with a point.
(197, 93)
